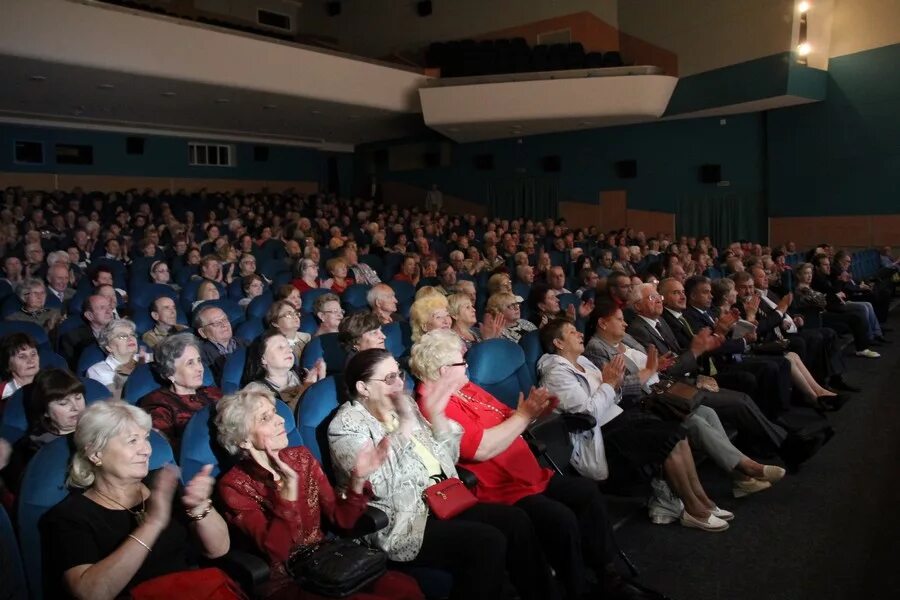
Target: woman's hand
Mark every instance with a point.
(534, 405)
(198, 490)
(665, 362)
(492, 326)
(585, 308)
(159, 504)
(652, 359)
(368, 460)
(327, 284)
(436, 394)
(289, 488)
(614, 371)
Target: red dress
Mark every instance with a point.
(303, 286)
(338, 288)
(171, 412)
(278, 527)
(511, 475)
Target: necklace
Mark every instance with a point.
(139, 515)
(469, 398)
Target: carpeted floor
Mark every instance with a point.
(832, 531)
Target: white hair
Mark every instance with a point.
(100, 422)
(234, 413)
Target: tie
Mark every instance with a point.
(712, 364)
(686, 325)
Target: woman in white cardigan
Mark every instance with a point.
(636, 437)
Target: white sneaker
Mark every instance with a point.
(664, 506)
(868, 353)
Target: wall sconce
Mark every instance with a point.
(803, 46)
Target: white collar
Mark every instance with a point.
(674, 313)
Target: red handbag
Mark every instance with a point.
(448, 498)
(198, 584)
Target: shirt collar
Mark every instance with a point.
(674, 313)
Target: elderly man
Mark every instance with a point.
(213, 326)
(525, 274)
(12, 270)
(165, 315)
(33, 295)
(556, 278)
(734, 408)
(383, 302)
(362, 273)
(58, 278)
(34, 260)
(98, 311)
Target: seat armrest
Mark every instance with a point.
(371, 521)
(576, 422)
(468, 478)
(247, 569)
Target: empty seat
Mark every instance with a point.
(499, 366)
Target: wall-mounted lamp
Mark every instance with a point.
(803, 47)
(803, 6)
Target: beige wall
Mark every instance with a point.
(710, 34)
(377, 28)
(864, 24)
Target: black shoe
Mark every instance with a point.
(881, 339)
(838, 383)
(830, 403)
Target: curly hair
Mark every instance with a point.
(421, 310)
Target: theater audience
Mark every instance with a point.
(19, 363)
(509, 307)
(165, 319)
(33, 295)
(271, 362)
(465, 321)
(329, 313)
(284, 318)
(309, 276)
(213, 326)
(383, 302)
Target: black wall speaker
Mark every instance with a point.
(710, 173)
(484, 162)
(134, 145)
(432, 159)
(260, 153)
(551, 164)
(424, 8)
(626, 169)
(333, 8)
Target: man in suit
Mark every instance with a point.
(214, 328)
(98, 311)
(842, 314)
(734, 408)
(58, 285)
(772, 373)
(821, 348)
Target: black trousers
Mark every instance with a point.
(823, 356)
(573, 526)
(475, 544)
(772, 375)
(849, 322)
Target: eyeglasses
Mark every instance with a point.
(459, 364)
(334, 312)
(654, 298)
(124, 336)
(288, 315)
(220, 324)
(391, 378)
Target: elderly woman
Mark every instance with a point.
(568, 513)
(271, 361)
(280, 497)
(428, 313)
(470, 545)
(499, 282)
(630, 436)
(19, 363)
(178, 362)
(127, 529)
(289, 294)
(465, 321)
(160, 273)
(53, 404)
(308, 271)
(338, 269)
(33, 295)
(252, 285)
(285, 318)
(361, 331)
(207, 290)
(608, 340)
(329, 313)
(119, 340)
(508, 306)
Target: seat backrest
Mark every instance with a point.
(498, 366)
(14, 585)
(144, 295)
(51, 360)
(328, 348)
(308, 298)
(354, 297)
(13, 422)
(33, 329)
(249, 329)
(200, 447)
(141, 382)
(397, 339)
(44, 486)
(91, 355)
(531, 346)
(313, 415)
(94, 391)
(259, 306)
(233, 370)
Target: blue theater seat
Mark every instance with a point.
(499, 366)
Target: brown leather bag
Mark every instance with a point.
(672, 400)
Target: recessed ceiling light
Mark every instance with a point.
(106, 86)
(168, 94)
(222, 100)
(38, 78)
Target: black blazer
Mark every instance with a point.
(699, 319)
(73, 342)
(684, 366)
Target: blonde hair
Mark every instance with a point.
(421, 310)
(233, 414)
(427, 290)
(498, 302)
(455, 303)
(433, 351)
(99, 423)
(494, 283)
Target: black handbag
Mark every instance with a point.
(336, 567)
(671, 400)
(774, 347)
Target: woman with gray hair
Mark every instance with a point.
(33, 295)
(179, 365)
(308, 276)
(119, 340)
(279, 496)
(127, 527)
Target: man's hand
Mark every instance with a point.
(785, 303)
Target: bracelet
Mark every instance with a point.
(203, 514)
(139, 541)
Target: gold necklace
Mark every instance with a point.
(469, 398)
(139, 516)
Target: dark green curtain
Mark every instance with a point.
(725, 218)
(531, 197)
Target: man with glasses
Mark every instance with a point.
(214, 328)
(33, 295)
(165, 315)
